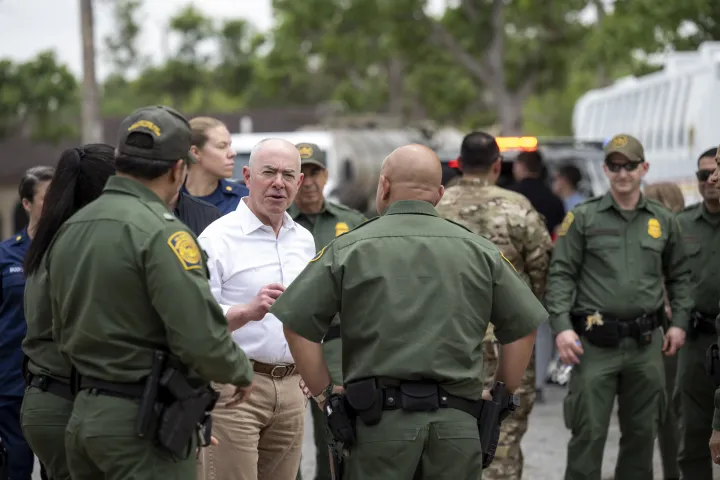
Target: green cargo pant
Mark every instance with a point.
(668, 434)
(693, 398)
(636, 375)
(44, 417)
(332, 351)
(444, 444)
(102, 445)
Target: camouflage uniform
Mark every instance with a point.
(508, 220)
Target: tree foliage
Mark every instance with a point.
(517, 64)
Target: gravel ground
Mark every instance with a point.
(543, 445)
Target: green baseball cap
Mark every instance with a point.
(310, 154)
(627, 145)
(169, 131)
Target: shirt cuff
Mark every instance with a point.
(560, 323)
(680, 321)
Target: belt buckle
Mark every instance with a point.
(274, 375)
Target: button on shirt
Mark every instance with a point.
(12, 315)
(243, 256)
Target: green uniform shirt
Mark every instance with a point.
(38, 345)
(333, 220)
(126, 278)
(701, 237)
(615, 261)
(416, 293)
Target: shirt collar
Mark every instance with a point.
(417, 207)
(294, 212)
(608, 201)
(131, 187)
(474, 181)
(711, 218)
(249, 221)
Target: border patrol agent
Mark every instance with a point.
(13, 326)
(325, 220)
(81, 175)
(399, 331)
(138, 286)
(606, 286)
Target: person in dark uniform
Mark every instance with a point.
(12, 323)
(207, 179)
(528, 170)
(193, 212)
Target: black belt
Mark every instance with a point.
(626, 327)
(332, 333)
(392, 396)
(51, 385)
(704, 324)
(132, 391)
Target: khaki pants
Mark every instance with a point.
(260, 439)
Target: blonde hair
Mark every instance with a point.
(200, 126)
(669, 194)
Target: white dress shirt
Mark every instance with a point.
(244, 256)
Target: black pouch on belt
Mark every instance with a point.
(419, 397)
(606, 335)
(645, 328)
(712, 363)
(366, 399)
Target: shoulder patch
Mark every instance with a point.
(565, 225)
(186, 250)
(340, 228)
(318, 255)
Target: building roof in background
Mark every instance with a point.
(18, 154)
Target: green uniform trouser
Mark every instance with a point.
(102, 444)
(668, 434)
(636, 375)
(444, 444)
(44, 417)
(332, 351)
(693, 399)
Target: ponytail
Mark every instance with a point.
(80, 176)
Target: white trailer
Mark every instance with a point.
(674, 112)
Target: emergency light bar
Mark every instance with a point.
(526, 144)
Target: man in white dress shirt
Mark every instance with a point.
(254, 253)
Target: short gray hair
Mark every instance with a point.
(269, 143)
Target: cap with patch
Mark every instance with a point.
(310, 154)
(169, 131)
(628, 146)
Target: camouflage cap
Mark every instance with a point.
(628, 146)
(310, 154)
(169, 131)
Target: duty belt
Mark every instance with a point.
(274, 371)
(332, 333)
(703, 323)
(626, 327)
(392, 394)
(131, 391)
(51, 385)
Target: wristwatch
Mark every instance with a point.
(322, 396)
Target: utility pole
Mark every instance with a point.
(92, 127)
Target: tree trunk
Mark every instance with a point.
(92, 128)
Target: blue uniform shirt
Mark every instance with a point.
(226, 197)
(12, 314)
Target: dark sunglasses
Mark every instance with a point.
(616, 167)
(703, 175)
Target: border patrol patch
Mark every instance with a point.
(654, 229)
(319, 254)
(340, 228)
(565, 225)
(508, 261)
(186, 250)
(305, 151)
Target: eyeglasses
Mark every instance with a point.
(703, 175)
(616, 167)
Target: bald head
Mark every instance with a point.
(412, 172)
(272, 147)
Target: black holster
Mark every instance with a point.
(492, 414)
(701, 324)
(712, 363)
(341, 424)
(366, 400)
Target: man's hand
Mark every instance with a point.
(241, 394)
(486, 395)
(715, 446)
(674, 339)
(569, 347)
(261, 303)
(336, 389)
